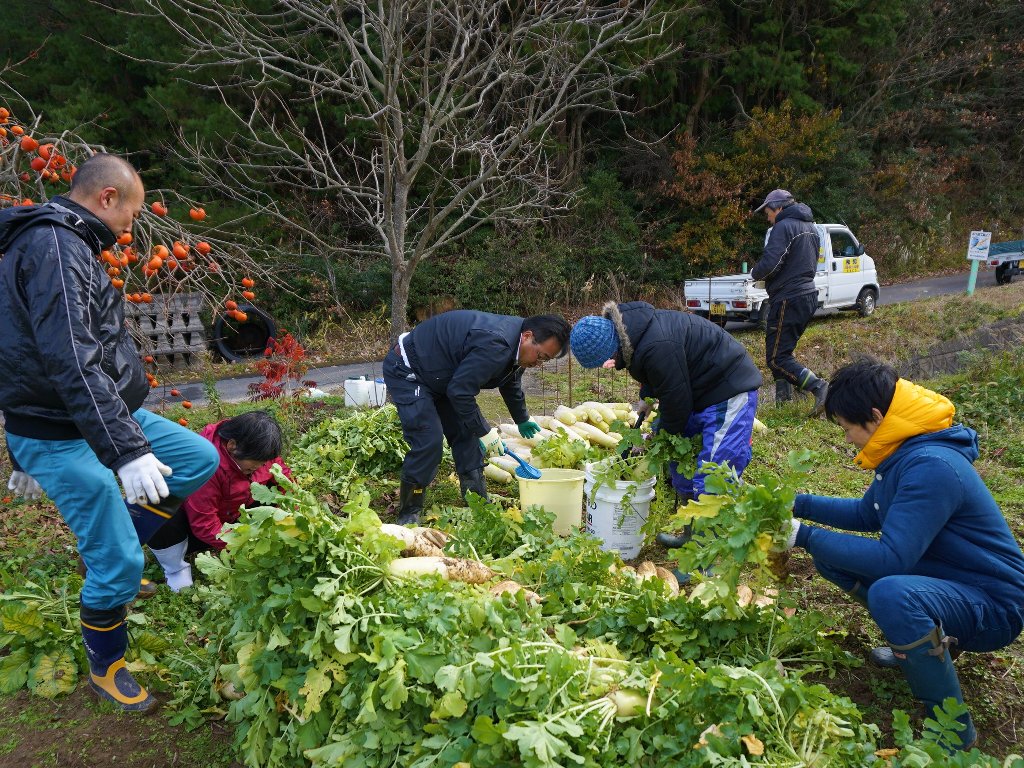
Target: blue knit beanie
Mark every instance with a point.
(593, 341)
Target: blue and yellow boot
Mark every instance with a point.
(929, 670)
(106, 638)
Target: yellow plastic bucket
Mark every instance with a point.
(559, 491)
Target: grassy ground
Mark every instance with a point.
(75, 730)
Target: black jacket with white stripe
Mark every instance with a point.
(791, 254)
(69, 370)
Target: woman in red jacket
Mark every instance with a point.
(248, 446)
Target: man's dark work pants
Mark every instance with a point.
(427, 419)
(787, 319)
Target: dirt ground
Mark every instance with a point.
(76, 731)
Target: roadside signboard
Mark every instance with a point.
(978, 245)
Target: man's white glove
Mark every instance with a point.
(143, 479)
(491, 444)
(791, 541)
(24, 485)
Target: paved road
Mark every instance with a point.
(332, 378)
(909, 291)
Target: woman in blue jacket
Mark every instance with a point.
(945, 574)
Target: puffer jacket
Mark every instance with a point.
(217, 502)
(69, 370)
(458, 353)
(936, 517)
(685, 361)
(791, 254)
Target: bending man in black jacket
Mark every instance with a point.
(434, 374)
(71, 389)
(704, 380)
(787, 267)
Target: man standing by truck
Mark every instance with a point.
(787, 267)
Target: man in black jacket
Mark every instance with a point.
(787, 267)
(434, 374)
(704, 380)
(71, 390)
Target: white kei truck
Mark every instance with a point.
(846, 279)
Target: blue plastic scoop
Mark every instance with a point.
(524, 470)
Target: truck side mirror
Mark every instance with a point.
(860, 250)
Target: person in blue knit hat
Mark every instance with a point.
(704, 381)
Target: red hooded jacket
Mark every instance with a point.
(218, 501)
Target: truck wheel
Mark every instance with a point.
(1002, 273)
(236, 341)
(866, 301)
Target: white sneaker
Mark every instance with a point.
(172, 559)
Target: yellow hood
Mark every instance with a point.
(913, 411)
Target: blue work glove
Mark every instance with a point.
(491, 444)
(528, 429)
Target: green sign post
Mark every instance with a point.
(977, 252)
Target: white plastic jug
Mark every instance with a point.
(357, 392)
(616, 511)
(378, 393)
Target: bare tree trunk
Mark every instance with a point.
(401, 279)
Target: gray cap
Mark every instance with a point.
(776, 199)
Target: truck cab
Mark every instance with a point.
(846, 276)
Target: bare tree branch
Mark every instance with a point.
(419, 120)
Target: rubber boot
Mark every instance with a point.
(149, 518)
(883, 656)
(473, 481)
(783, 391)
(929, 670)
(817, 387)
(678, 539)
(177, 571)
(106, 638)
(859, 593)
(410, 503)
(146, 587)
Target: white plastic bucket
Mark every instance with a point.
(357, 392)
(559, 491)
(615, 519)
(378, 393)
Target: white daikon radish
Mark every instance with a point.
(497, 474)
(565, 415)
(506, 463)
(451, 568)
(595, 435)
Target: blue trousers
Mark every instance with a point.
(89, 499)
(427, 419)
(906, 608)
(726, 430)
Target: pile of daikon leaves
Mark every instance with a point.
(337, 662)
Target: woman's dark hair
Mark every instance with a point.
(856, 388)
(545, 327)
(256, 434)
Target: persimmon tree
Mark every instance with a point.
(171, 251)
(411, 123)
